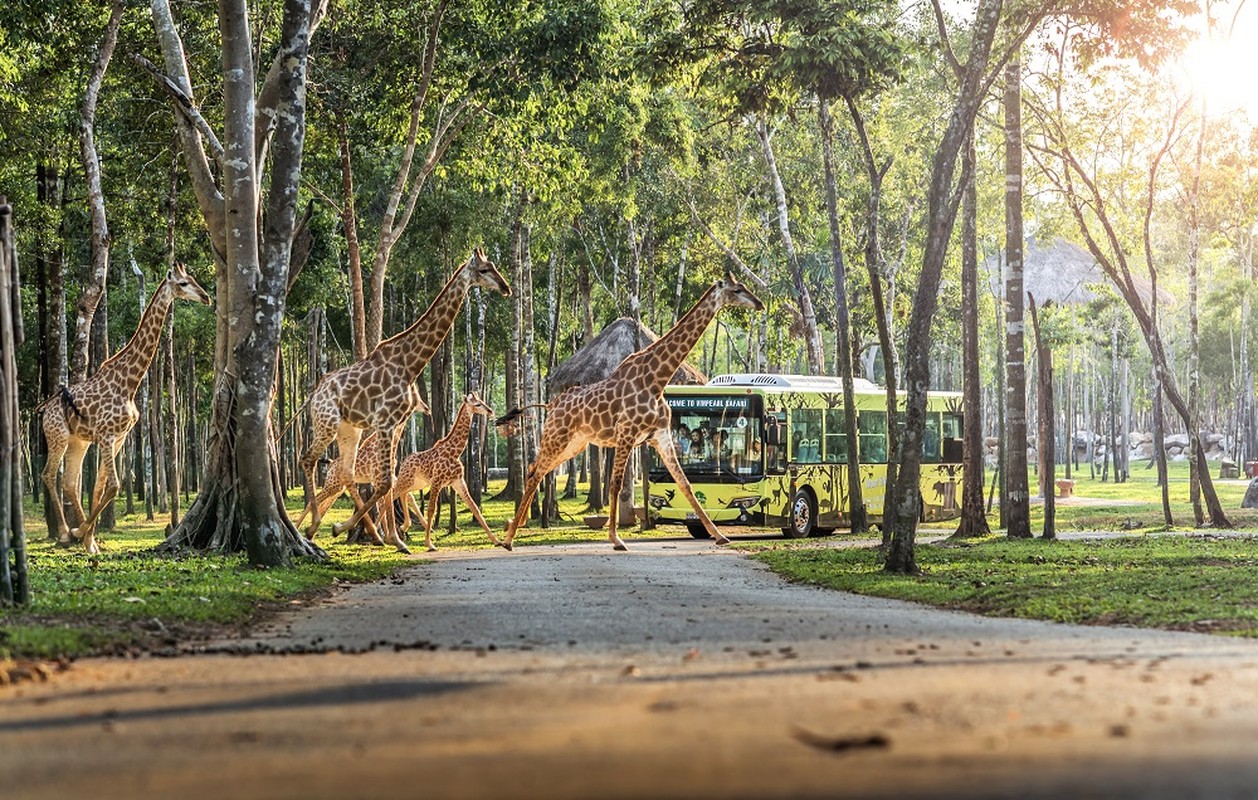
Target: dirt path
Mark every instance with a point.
(675, 670)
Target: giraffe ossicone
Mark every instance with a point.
(626, 409)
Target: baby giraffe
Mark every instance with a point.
(438, 467)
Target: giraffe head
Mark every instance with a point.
(730, 292)
(184, 287)
(477, 405)
(482, 273)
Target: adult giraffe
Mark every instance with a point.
(627, 408)
(378, 394)
(101, 410)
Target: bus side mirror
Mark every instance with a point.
(772, 435)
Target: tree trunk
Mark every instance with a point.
(14, 582)
(353, 250)
(596, 500)
(1018, 524)
(843, 344)
(973, 517)
(94, 287)
(1048, 460)
(1194, 375)
(812, 337)
(241, 503)
(941, 214)
(874, 264)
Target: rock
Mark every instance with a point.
(1179, 440)
(1251, 495)
(1211, 438)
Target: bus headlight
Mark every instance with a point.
(658, 502)
(745, 502)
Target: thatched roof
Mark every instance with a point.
(1064, 273)
(602, 354)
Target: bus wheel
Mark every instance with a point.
(803, 516)
(697, 530)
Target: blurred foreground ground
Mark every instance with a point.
(674, 670)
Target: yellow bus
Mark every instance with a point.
(771, 450)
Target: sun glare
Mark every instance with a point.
(1225, 70)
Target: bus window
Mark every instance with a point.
(873, 436)
(805, 427)
(952, 445)
(836, 438)
(930, 444)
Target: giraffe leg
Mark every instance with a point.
(383, 483)
(58, 441)
(72, 485)
(620, 460)
(409, 505)
(434, 497)
(369, 527)
(105, 492)
(460, 486)
(549, 457)
(332, 489)
(321, 437)
(662, 441)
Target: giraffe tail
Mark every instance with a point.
(67, 402)
(509, 422)
(284, 431)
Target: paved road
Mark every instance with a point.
(674, 670)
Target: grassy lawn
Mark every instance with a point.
(1187, 580)
(128, 596)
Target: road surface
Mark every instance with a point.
(677, 669)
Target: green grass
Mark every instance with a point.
(1171, 581)
(1137, 503)
(1182, 580)
(129, 596)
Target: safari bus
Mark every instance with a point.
(771, 450)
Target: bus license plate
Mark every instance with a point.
(691, 515)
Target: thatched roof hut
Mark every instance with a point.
(1064, 273)
(602, 354)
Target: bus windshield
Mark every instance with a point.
(716, 437)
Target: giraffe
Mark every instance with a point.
(627, 408)
(101, 410)
(378, 393)
(438, 467)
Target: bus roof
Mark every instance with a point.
(815, 383)
(777, 384)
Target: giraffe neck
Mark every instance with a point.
(415, 346)
(126, 368)
(663, 357)
(457, 437)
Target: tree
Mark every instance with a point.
(941, 213)
(1090, 209)
(251, 216)
(14, 583)
(1018, 523)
